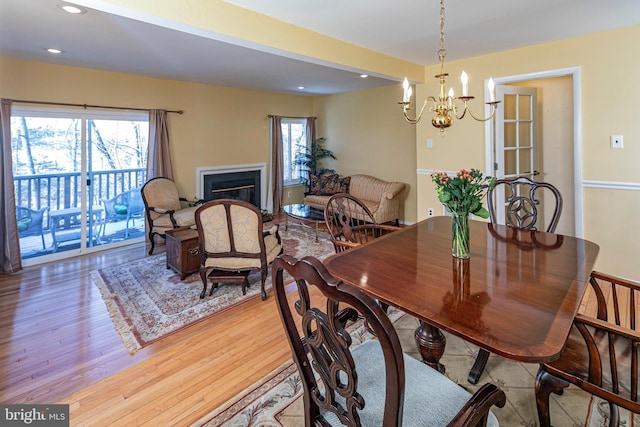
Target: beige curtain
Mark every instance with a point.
(277, 167)
(9, 239)
(159, 159)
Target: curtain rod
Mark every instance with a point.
(85, 106)
(291, 117)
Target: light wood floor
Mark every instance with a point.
(58, 345)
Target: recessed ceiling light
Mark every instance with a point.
(300, 87)
(364, 76)
(70, 8)
(51, 50)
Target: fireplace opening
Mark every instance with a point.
(243, 186)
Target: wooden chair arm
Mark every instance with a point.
(170, 212)
(476, 410)
(607, 327)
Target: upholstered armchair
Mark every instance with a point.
(164, 209)
(233, 243)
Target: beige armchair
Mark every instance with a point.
(163, 208)
(233, 243)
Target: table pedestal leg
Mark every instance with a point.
(431, 343)
(317, 222)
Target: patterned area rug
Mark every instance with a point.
(147, 301)
(275, 400)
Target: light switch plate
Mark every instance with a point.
(616, 141)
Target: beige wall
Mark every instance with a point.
(609, 96)
(220, 126)
(366, 131)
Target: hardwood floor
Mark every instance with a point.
(59, 345)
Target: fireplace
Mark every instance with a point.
(240, 182)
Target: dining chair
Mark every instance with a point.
(350, 222)
(601, 353)
(164, 208)
(31, 222)
(523, 201)
(233, 242)
(374, 383)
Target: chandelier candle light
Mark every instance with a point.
(444, 105)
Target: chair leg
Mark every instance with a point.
(153, 243)
(203, 277)
(263, 280)
(43, 245)
(545, 385)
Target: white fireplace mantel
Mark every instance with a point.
(212, 170)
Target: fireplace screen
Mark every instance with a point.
(243, 186)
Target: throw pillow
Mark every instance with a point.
(344, 184)
(314, 184)
(329, 185)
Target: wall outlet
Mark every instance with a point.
(616, 141)
(430, 212)
(429, 143)
(288, 193)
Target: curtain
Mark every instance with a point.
(311, 131)
(9, 239)
(159, 159)
(277, 167)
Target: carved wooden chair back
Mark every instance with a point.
(350, 222)
(523, 199)
(601, 352)
(232, 239)
(365, 385)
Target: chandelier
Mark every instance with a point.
(444, 106)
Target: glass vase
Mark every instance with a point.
(460, 235)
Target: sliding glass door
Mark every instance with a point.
(77, 177)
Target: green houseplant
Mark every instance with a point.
(311, 159)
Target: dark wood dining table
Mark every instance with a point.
(516, 296)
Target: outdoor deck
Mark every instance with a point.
(31, 246)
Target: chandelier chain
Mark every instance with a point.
(442, 52)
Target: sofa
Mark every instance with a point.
(378, 195)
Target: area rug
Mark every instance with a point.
(147, 301)
(275, 399)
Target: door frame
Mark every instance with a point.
(575, 74)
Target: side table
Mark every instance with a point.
(182, 250)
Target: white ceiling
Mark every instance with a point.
(405, 29)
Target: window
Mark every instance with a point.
(294, 142)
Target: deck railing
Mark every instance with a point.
(64, 190)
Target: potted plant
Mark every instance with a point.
(310, 159)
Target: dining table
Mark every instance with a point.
(515, 296)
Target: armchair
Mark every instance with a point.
(351, 223)
(601, 353)
(233, 243)
(164, 209)
(30, 222)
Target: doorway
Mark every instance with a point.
(559, 159)
(77, 176)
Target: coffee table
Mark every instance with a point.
(303, 213)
